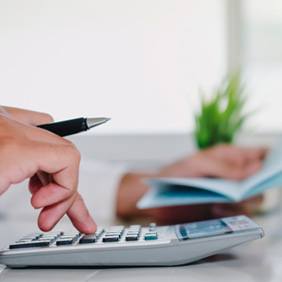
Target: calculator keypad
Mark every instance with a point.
(135, 233)
(119, 233)
(36, 240)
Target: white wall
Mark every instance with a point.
(262, 43)
(138, 61)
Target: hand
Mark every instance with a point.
(223, 161)
(26, 150)
(25, 116)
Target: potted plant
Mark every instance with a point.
(220, 118)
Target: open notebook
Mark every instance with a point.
(188, 191)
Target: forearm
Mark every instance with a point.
(131, 188)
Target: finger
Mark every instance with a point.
(39, 180)
(28, 117)
(44, 177)
(50, 215)
(49, 195)
(50, 192)
(77, 212)
(227, 153)
(220, 169)
(80, 217)
(236, 155)
(255, 153)
(35, 133)
(4, 185)
(63, 163)
(34, 184)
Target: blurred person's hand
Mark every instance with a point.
(49, 161)
(223, 161)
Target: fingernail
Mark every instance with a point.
(90, 225)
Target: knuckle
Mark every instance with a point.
(74, 152)
(77, 154)
(67, 142)
(47, 117)
(79, 198)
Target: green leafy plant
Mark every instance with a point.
(222, 116)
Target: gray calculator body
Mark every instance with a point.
(154, 246)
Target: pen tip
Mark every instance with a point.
(92, 122)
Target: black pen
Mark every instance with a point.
(73, 126)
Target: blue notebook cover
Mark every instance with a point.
(188, 191)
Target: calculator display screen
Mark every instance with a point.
(202, 229)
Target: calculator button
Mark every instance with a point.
(132, 233)
(99, 232)
(34, 237)
(50, 239)
(86, 239)
(61, 242)
(113, 234)
(133, 230)
(181, 232)
(67, 239)
(30, 244)
(134, 227)
(111, 239)
(92, 238)
(44, 238)
(23, 241)
(131, 238)
(52, 234)
(117, 228)
(151, 236)
(152, 226)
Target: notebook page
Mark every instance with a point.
(271, 167)
(229, 189)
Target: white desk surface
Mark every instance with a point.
(258, 261)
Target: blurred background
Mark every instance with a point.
(143, 63)
(140, 62)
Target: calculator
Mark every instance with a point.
(134, 245)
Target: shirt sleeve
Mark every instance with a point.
(98, 186)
